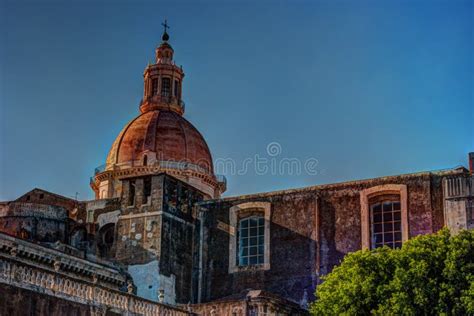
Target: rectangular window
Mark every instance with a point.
(166, 87)
(251, 241)
(131, 193)
(386, 224)
(154, 86)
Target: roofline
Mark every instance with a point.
(441, 172)
(45, 191)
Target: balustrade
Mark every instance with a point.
(18, 274)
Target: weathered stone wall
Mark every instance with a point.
(16, 301)
(39, 196)
(39, 222)
(253, 302)
(312, 229)
(159, 232)
(179, 232)
(459, 202)
(292, 272)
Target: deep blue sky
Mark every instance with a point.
(369, 88)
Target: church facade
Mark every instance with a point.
(160, 240)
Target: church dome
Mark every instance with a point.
(160, 137)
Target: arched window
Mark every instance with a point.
(106, 236)
(384, 216)
(386, 222)
(251, 241)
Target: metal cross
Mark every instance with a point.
(165, 25)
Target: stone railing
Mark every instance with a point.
(53, 284)
(51, 259)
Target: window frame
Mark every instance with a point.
(242, 211)
(166, 91)
(387, 226)
(154, 86)
(244, 253)
(386, 189)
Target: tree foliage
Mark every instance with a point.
(429, 275)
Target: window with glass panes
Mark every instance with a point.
(154, 86)
(386, 224)
(251, 241)
(166, 87)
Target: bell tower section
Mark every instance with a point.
(163, 81)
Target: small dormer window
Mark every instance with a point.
(166, 87)
(154, 86)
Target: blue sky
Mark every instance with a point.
(368, 88)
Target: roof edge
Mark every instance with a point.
(441, 172)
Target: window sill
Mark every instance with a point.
(255, 267)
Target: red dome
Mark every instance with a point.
(167, 134)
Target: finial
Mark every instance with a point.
(165, 36)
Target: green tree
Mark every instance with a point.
(429, 275)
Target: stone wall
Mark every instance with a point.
(312, 229)
(39, 196)
(156, 237)
(16, 301)
(253, 302)
(32, 221)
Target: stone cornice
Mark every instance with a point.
(156, 169)
(340, 185)
(54, 260)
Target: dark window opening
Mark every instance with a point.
(184, 200)
(147, 190)
(41, 196)
(154, 86)
(176, 89)
(145, 160)
(131, 193)
(27, 197)
(166, 87)
(171, 195)
(106, 239)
